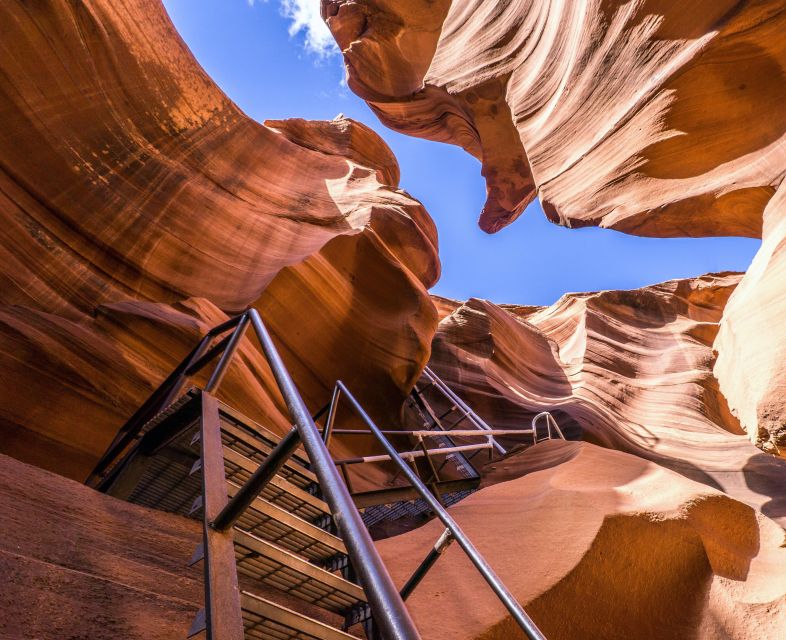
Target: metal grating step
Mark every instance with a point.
(266, 620)
(256, 447)
(280, 491)
(166, 483)
(270, 522)
(278, 568)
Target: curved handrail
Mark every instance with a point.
(549, 422)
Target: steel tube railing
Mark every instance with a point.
(433, 555)
(471, 415)
(151, 406)
(390, 613)
(511, 604)
(229, 353)
(417, 453)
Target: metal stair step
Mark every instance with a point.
(270, 522)
(280, 491)
(266, 620)
(279, 568)
(257, 448)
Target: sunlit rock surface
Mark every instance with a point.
(650, 117)
(629, 370)
(140, 206)
(751, 344)
(600, 544)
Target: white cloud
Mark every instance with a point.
(304, 18)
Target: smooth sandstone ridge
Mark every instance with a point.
(140, 207)
(600, 544)
(629, 370)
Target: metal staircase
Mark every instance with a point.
(285, 550)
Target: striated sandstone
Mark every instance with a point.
(600, 544)
(629, 370)
(648, 117)
(751, 344)
(141, 206)
(99, 568)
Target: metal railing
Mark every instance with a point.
(481, 427)
(391, 617)
(550, 422)
(467, 411)
(453, 530)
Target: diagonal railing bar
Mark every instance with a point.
(502, 592)
(391, 618)
(451, 395)
(164, 394)
(390, 613)
(229, 353)
(206, 358)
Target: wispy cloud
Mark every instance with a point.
(304, 17)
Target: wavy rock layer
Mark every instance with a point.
(650, 117)
(630, 370)
(600, 544)
(646, 116)
(139, 206)
(751, 344)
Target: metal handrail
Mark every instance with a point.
(390, 614)
(549, 422)
(473, 417)
(502, 592)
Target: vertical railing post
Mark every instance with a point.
(222, 595)
(331, 418)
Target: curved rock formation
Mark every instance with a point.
(647, 117)
(630, 370)
(140, 205)
(600, 544)
(751, 346)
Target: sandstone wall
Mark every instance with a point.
(651, 117)
(140, 206)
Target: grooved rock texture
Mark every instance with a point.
(751, 344)
(600, 544)
(648, 116)
(140, 206)
(630, 370)
(652, 117)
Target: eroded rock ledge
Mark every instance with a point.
(651, 117)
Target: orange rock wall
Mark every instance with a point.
(630, 370)
(140, 206)
(600, 544)
(751, 344)
(655, 118)
(609, 111)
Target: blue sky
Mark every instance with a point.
(257, 55)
